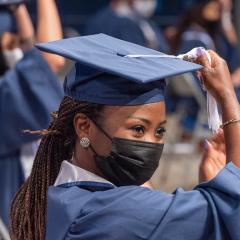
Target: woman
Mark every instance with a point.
(107, 138)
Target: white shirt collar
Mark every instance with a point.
(72, 173)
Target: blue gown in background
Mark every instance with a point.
(28, 94)
(92, 210)
(125, 28)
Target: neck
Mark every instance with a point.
(83, 160)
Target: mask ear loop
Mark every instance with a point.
(103, 131)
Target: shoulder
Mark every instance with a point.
(134, 213)
(194, 37)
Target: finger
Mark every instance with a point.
(208, 147)
(215, 58)
(218, 137)
(203, 60)
(218, 142)
(222, 148)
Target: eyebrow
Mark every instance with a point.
(147, 121)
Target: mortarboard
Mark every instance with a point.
(106, 71)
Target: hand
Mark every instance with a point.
(216, 77)
(214, 158)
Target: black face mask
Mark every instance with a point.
(130, 162)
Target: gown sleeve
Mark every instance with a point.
(28, 94)
(210, 211)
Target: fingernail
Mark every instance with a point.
(206, 144)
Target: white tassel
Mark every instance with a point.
(214, 121)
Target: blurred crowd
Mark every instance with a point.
(30, 87)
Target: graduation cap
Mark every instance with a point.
(115, 72)
(10, 2)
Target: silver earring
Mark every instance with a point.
(85, 142)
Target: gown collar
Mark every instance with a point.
(70, 173)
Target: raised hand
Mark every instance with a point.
(214, 158)
(218, 82)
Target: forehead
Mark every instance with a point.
(152, 110)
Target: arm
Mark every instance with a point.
(218, 81)
(33, 92)
(24, 27)
(227, 24)
(49, 29)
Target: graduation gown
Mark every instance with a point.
(85, 208)
(130, 29)
(28, 94)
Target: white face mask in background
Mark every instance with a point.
(145, 8)
(12, 56)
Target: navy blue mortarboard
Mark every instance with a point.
(108, 70)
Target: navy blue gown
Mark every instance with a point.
(93, 210)
(28, 94)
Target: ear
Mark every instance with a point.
(82, 125)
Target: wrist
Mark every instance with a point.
(230, 109)
(226, 97)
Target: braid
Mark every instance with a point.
(28, 211)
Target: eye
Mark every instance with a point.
(138, 130)
(160, 132)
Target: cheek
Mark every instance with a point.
(100, 142)
(102, 145)
(123, 132)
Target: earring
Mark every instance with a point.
(85, 142)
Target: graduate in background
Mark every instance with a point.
(201, 25)
(29, 90)
(107, 138)
(129, 20)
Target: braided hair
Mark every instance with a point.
(28, 210)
